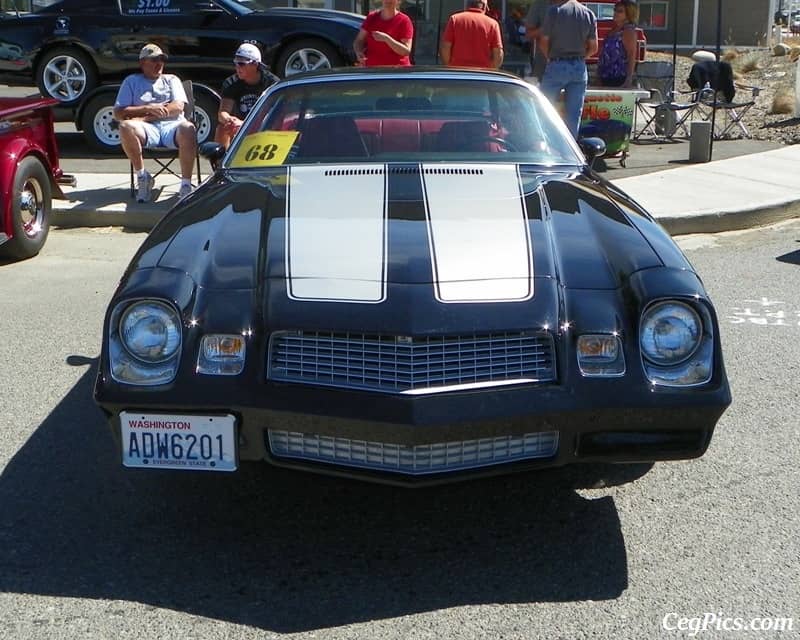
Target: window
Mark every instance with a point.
(403, 120)
(653, 15)
(25, 6)
(602, 10)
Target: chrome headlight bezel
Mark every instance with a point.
(694, 364)
(681, 317)
(129, 364)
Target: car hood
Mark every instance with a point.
(410, 236)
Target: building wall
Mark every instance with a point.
(685, 25)
(744, 23)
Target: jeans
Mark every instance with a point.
(572, 77)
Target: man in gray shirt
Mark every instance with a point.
(149, 109)
(533, 29)
(569, 36)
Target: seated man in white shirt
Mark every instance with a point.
(149, 108)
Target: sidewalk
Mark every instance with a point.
(724, 195)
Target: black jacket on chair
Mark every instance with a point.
(718, 74)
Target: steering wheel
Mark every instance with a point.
(507, 146)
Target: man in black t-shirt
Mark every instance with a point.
(241, 90)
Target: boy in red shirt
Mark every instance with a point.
(385, 37)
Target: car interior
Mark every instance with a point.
(411, 123)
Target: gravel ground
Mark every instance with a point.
(775, 75)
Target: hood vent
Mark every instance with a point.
(373, 171)
(404, 171)
(355, 172)
(453, 171)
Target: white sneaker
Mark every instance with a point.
(145, 188)
(185, 190)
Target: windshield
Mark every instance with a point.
(236, 8)
(404, 119)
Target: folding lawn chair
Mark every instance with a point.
(720, 96)
(164, 156)
(662, 114)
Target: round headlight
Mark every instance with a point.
(150, 331)
(671, 332)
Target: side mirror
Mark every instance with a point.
(213, 152)
(593, 148)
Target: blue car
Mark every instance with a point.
(69, 47)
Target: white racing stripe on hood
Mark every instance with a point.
(336, 233)
(478, 231)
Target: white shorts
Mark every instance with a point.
(161, 133)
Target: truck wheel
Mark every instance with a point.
(31, 205)
(307, 55)
(66, 74)
(98, 125)
(205, 116)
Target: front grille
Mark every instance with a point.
(404, 364)
(413, 460)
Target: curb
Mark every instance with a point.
(721, 221)
(76, 218)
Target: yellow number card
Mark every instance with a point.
(264, 149)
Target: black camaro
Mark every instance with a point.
(408, 276)
(68, 47)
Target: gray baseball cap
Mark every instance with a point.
(152, 51)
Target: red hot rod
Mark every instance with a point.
(29, 175)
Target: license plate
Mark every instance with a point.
(186, 442)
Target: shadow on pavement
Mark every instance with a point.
(782, 124)
(118, 194)
(793, 257)
(288, 552)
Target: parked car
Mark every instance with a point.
(29, 175)
(408, 276)
(68, 48)
(71, 46)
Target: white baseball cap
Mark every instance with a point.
(247, 51)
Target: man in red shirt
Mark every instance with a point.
(472, 39)
(385, 37)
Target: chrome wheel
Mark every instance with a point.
(64, 78)
(306, 59)
(32, 207)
